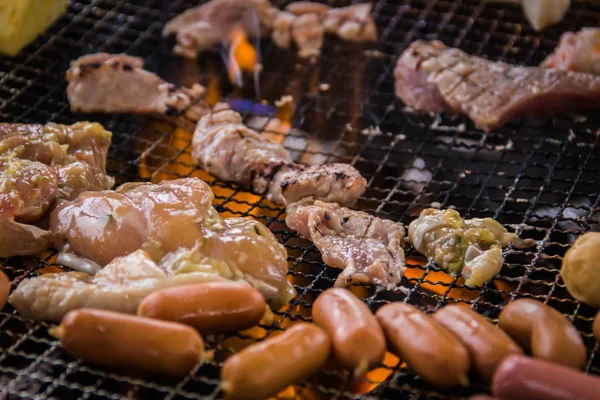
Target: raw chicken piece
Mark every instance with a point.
(212, 23)
(118, 84)
(473, 246)
(577, 52)
(435, 78)
(368, 249)
(40, 164)
(229, 150)
(241, 250)
(121, 286)
(100, 226)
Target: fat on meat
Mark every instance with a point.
(432, 77)
(118, 83)
(367, 249)
(577, 51)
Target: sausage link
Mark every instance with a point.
(267, 367)
(427, 347)
(543, 331)
(130, 342)
(357, 339)
(212, 307)
(4, 289)
(524, 378)
(488, 345)
(596, 327)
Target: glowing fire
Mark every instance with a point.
(241, 56)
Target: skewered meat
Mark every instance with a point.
(432, 77)
(212, 23)
(126, 281)
(473, 246)
(39, 165)
(577, 52)
(367, 248)
(231, 151)
(118, 84)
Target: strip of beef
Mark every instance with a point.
(435, 78)
(368, 249)
(212, 23)
(40, 165)
(303, 22)
(231, 151)
(577, 52)
(118, 83)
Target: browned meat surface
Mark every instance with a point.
(118, 83)
(231, 151)
(577, 51)
(303, 22)
(39, 165)
(432, 77)
(368, 249)
(212, 23)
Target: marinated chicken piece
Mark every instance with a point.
(120, 286)
(231, 151)
(434, 78)
(118, 83)
(577, 52)
(368, 249)
(39, 165)
(353, 23)
(212, 23)
(240, 249)
(473, 246)
(100, 226)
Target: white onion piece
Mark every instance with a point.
(78, 263)
(542, 13)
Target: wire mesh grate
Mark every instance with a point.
(536, 176)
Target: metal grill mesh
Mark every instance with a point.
(537, 176)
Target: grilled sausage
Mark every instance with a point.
(543, 331)
(596, 327)
(211, 307)
(4, 289)
(126, 341)
(357, 339)
(427, 347)
(266, 368)
(488, 345)
(524, 378)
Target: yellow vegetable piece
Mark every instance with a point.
(21, 21)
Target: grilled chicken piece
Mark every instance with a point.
(353, 23)
(212, 23)
(39, 165)
(577, 52)
(231, 151)
(368, 249)
(240, 250)
(434, 78)
(107, 83)
(473, 246)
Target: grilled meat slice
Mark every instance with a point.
(39, 165)
(212, 23)
(107, 83)
(432, 77)
(473, 246)
(368, 249)
(577, 52)
(231, 151)
(353, 23)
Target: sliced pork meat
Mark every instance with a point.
(231, 151)
(39, 166)
(212, 23)
(435, 78)
(107, 83)
(368, 249)
(577, 52)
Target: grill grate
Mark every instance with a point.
(536, 176)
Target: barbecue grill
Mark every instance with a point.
(536, 176)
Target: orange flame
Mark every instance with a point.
(241, 57)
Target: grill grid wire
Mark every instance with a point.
(536, 176)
